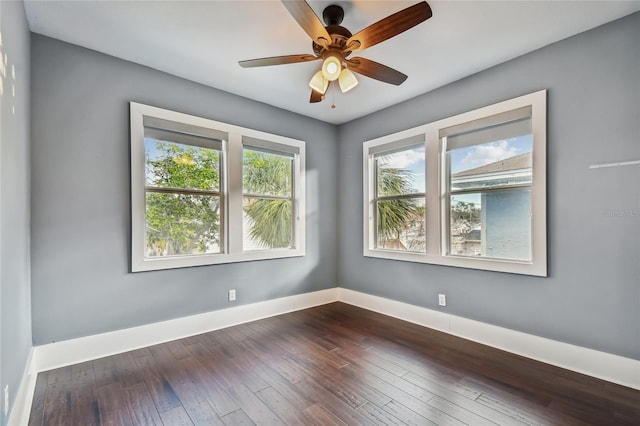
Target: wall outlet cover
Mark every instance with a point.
(442, 299)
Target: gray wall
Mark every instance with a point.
(592, 295)
(15, 299)
(81, 199)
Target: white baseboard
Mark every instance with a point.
(74, 351)
(24, 397)
(613, 368)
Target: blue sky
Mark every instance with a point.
(150, 148)
(479, 155)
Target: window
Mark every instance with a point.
(205, 192)
(267, 183)
(398, 200)
(182, 193)
(482, 203)
(489, 178)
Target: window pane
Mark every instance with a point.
(266, 223)
(181, 224)
(266, 173)
(494, 224)
(401, 224)
(175, 165)
(401, 172)
(498, 163)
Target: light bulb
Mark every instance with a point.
(331, 68)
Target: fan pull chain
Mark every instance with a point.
(333, 100)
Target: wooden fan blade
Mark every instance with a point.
(277, 60)
(308, 20)
(316, 97)
(390, 26)
(376, 71)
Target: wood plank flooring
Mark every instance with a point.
(330, 365)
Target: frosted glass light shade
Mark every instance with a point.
(319, 83)
(347, 80)
(331, 68)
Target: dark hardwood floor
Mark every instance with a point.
(333, 364)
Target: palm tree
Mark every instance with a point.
(271, 218)
(268, 175)
(270, 222)
(393, 214)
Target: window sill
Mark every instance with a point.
(495, 265)
(157, 264)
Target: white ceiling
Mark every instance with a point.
(204, 40)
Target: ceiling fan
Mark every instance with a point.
(333, 44)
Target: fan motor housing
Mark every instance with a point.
(339, 36)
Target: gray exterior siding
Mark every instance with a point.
(506, 225)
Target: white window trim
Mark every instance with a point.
(435, 191)
(231, 188)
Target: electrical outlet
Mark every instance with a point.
(232, 295)
(6, 400)
(442, 299)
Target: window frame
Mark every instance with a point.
(436, 188)
(231, 190)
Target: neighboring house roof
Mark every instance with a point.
(519, 162)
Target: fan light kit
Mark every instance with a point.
(333, 70)
(333, 44)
